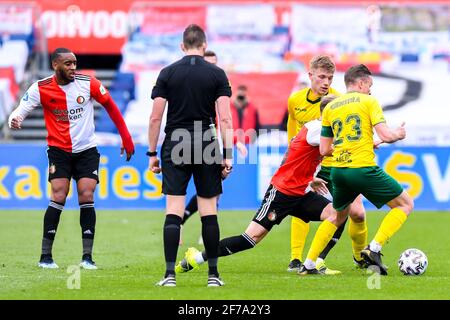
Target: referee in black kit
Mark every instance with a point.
(191, 86)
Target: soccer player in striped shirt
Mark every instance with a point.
(67, 101)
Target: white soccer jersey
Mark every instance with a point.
(68, 110)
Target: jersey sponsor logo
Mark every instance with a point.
(102, 89)
(66, 115)
(344, 102)
(52, 169)
(300, 109)
(25, 97)
(272, 216)
(344, 157)
(80, 99)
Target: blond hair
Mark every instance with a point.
(322, 62)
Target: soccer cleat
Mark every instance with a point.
(168, 281)
(374, 258)
(87, 263)
(294, 265)
(214, 281)
(188, 263)
(46, 262)
(304, 271)
(325, 270)
(360, 264)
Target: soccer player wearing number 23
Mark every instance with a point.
(348, 124)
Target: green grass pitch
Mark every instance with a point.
(129, 253)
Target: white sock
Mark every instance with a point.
(309, 264)
(375, 246)
(199, 258)
(319, 260)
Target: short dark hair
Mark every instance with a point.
(209, 53)
(356, 72)
(57, 52)
(193, 37)
(326, 100)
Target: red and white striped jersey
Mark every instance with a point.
(68, 110)
(301, 161)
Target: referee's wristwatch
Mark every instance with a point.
(151, 153)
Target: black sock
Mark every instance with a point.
(51, 221)
(232, 245)
(336, 236)
(87, 223)
(171, 237)
(191, 208)
(211, 236)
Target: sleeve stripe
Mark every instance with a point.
(382, 121)
(327, 132)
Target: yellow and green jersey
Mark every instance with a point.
(304, 106)
(350, 119)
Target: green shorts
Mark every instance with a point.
(372, 182)
(325, 174)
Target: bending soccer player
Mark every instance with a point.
(285, 196)
(347, 134)
(67, 100)
(304, 106)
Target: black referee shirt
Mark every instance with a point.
(191, 87)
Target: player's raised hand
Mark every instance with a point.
(401, 131)
(319, 186)
(153, 165)
(16, 123)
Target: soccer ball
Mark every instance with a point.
(412, 262)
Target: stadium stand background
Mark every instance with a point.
(260, 44)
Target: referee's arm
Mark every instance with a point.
(154, 126)
(226, 129)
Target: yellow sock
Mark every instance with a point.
(299, 232)
(358, 234)
(390, 225)
(323, 235)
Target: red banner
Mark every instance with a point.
(86, 26)
(164, 20)
(269, 92)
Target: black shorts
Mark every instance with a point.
(180, 161)
(62, 164)
(276, 206)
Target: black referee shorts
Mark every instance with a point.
(62, 164)
(276, 206)
(180, 161)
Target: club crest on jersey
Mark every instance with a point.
(80, 99)
(102, 89)
(52, 169)
(272, 216)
